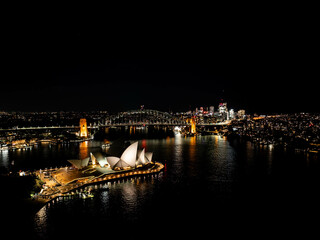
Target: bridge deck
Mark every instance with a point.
(114, 125)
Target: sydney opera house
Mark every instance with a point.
(131, 162)
(130, 159)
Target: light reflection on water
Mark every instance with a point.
(204, 161)
(205, 176)
(40, 221)
(83, 150)
(47, 155)
(4, 159)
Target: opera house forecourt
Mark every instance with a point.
(91, 170)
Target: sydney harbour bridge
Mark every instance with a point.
(145, 117)
(141, 117)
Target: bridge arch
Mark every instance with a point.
(144, 117)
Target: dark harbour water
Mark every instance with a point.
(209, 186)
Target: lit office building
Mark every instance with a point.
(231, 114)
(241, 113)
(211, 110)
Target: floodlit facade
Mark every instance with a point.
(130, 158)
(79, 163)
(93, 159)
(143, 158)
(127, 159)
(148, 156)
(103, 162)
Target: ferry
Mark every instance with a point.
(4, 147)
(86, 195)
(105, 145)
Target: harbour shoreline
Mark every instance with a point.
(62, 191)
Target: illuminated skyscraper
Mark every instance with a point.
(241, 113)
(231, 114)
(211, 110)
(223, 108)
(223, 111)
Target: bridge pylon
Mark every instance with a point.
(192, 122)
(83, 128)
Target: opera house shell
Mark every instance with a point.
(80, 163)
(129, 159)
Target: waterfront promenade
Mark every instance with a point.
(55, 190)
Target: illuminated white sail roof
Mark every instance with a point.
(144, 157)
(79, 163)
(113, 161)
(148, 156)
(127, 159)
(93, 159)
(103, 162)
(141, 158)
(121, 164)
(130, 154)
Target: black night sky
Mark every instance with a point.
(261, 63)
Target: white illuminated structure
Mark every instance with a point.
(92, 160)
(130, 158)
(148, 156)
(127, 159)
(79, 163)
(143, 158)
(103, 162)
